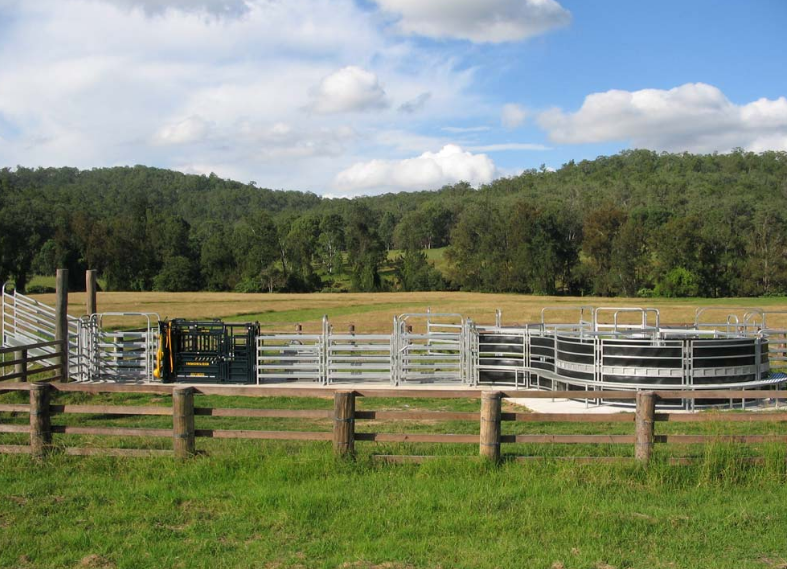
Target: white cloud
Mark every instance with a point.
(283, 140)
(694, 117)
(428, 171)
(346, 90)
(512, 115)
(483, 21)
(190, 129)
(214, 7)
(244, 88)
(91, 83)
(508, 146)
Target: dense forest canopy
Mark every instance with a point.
(638, 223)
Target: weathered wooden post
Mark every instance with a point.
(61, 319)
(90, 290)
(644, 436)
(20, 368)
(183, 439)
(491, 410)
(344, 423)
(40, 420)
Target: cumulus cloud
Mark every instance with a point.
(512, 115)
(430, 170)
(415, 105)
(347, 90)
(694, 117)
(482, 21)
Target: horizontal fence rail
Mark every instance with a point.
(40, 353)
(345, 418)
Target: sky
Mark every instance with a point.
(362, 97)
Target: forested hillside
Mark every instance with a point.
(636, 223)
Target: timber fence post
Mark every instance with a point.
(40, 420)
(61, 319)
(344, 423)
(491, 409)
(90, 289)
(21, 367)
(183, 439)
(644, 435)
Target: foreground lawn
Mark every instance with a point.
(277, 504)
(292, 505)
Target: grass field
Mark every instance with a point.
(373, 312)
(282, 504)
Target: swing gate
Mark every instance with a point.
(118, 354)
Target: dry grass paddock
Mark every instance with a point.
(374, 312)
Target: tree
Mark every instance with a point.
(630, 255)
(414, 272)
(257, 247)
(218, 265)
(177, 274)
(330, 243)
(23, 231)
(412, 231)
(301, 246)
(600, 231)
(439, 220)
(766, 248)
(479, 250)
(364, 248)
(386, 229)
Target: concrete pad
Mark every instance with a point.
(566, 406)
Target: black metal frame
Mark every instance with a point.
(209, 351)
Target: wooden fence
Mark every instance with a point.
(23, 356)
(344, 417)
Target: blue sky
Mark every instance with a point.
(352, 97)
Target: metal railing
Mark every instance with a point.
(119, 355)
(598, 352)
(25, 320)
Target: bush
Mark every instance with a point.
(679, 282)
(178, 274)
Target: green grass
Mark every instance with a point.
(288, 504)
(292, 505)
(435, 256)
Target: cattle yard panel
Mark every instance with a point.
(115, 353)
(25, 320)
(605, 348)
